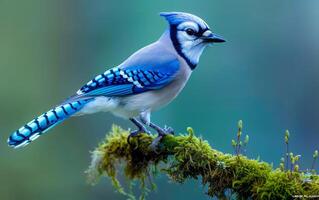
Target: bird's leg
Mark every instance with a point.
(161, 132)
(141, 129)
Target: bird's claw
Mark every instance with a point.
(135, 133)
(161, 133)
(168, 130)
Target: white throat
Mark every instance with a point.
(192, 50)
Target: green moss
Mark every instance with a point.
(188, 156)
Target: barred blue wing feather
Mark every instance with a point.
(44, 122)
(129, 80)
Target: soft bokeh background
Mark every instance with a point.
(266, 74)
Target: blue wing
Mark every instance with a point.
(128, 80)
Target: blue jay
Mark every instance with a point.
(149, 79)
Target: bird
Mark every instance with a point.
(146, 81)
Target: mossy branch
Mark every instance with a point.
(188, 156)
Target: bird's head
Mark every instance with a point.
(190, 35)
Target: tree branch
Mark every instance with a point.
(188, 156)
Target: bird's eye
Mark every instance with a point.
(190, 31)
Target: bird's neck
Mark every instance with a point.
(170, 37)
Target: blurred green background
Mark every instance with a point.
(266, 74)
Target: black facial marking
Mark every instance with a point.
(177, 45)
(201, 31)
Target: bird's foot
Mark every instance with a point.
(161, 133)
(166, 131)
(135, 133)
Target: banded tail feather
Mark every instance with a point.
(44, 122)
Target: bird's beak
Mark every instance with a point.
(213, 38)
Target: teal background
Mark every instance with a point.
(266, 74)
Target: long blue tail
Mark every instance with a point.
(44, 122)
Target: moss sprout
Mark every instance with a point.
(187, 156)
(315, 157)
(240, 147)
(287, 135)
